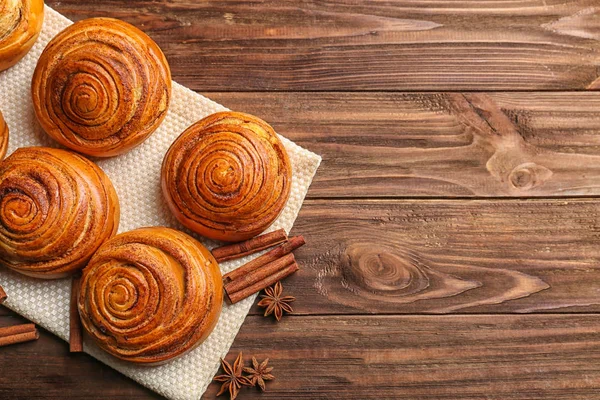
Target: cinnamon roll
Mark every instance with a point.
(150, 295)
(3, 136)
(101, 87)
(227, 177)
(20, 24)
(56, 209)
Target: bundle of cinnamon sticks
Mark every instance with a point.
(16, 333)
(263, 271)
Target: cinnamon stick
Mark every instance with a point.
(254, 245)
(16, 329)
(2, 295)
(258, 286)
(75, 329)
(292, 244)
(18, 334)
(259, 274)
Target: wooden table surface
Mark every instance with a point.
(454, 224)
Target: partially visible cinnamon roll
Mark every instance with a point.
(56, 209)
(150, 295)
(20, 24)
(101, 87)
(3, 136)
(227, 177)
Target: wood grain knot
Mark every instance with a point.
(381, 273)
(528, 175)
(379, 269)
(386, 276)
(514, 161)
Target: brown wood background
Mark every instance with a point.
(454, 224)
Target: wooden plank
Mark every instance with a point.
(459, 357)
(372, 45)
(447, 256)
(503, 357)
(440, 144)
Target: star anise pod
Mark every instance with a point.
(259, 373)
(233, 379)
(275, 303)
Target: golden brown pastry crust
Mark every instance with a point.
(150, 295)
(3, 136)
(227, 177)
(101, 87)
(56, 209)
(20, 25)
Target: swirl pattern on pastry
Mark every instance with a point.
(150, 295)
(56, 209)
(227, 177)
(20, 25)
(3, 136)
(101, 87)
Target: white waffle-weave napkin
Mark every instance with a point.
(136, 178)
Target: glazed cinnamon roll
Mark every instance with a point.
(150, 295)
(101, 87)
(56, 209)
(20, 24)
(227, 177)
(3, 136)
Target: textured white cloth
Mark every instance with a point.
(136, 178)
